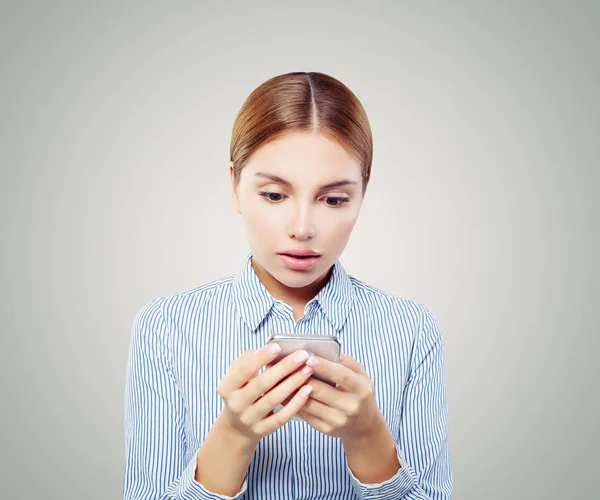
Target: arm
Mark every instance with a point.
(374, 458)
(156, 465)
(224, 458)
(423, 449)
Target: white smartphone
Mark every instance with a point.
(324, 346)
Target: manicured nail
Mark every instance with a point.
(307, 370)
(313, 362)
(275, 348)
(301, 356)
(306, 390)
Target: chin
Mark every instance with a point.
(299, 279)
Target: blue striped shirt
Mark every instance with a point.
(182, 345)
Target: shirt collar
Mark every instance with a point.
(253, 301)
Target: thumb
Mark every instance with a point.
(351, 363)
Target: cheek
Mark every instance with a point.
(338, 224)
(261, 218)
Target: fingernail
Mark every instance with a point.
(301, 356)
(307, 370)
(274, 349)
(313, 362)
(306, 390)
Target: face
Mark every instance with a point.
(299, 192)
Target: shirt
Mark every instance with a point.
(182, 345)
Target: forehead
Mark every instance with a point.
(303, 157)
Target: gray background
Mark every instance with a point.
(115, 123)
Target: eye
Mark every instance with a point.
(269, 196)
(338, 201)
(331, 201)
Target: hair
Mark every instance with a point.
(302, 102)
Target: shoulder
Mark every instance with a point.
(166, 307)
(389, 307)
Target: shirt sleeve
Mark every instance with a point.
(155, 443)
(423, 445)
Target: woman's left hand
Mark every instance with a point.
(348, 411)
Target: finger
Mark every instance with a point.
(273, 375)
(354, 365)
(332, 396)
(339, 374)
(289, 398)
(276, 420)
(326, 413)
(277, 395)
(313, 421)
(244, 367)
(251, 379)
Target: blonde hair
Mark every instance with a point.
(302, 102)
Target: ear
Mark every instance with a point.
(234, 196)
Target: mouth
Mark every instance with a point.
(301, 254)
(297, 256)
(299, 262)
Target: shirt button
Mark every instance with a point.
(280, 306)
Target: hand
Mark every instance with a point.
(250, 398)
(348, 411)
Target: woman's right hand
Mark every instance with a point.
(250, 398)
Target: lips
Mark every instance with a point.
(296, 256)
(300, 253)
(298, 262)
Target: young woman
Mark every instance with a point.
(201, 382)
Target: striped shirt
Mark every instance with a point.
(182, 345)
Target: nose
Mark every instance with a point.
(301, 225)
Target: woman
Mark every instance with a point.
(201, 385)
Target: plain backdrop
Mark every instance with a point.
(115, 121)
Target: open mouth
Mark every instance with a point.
(299, 262)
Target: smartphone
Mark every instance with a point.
(324, 346)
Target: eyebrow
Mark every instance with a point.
(279, 180)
